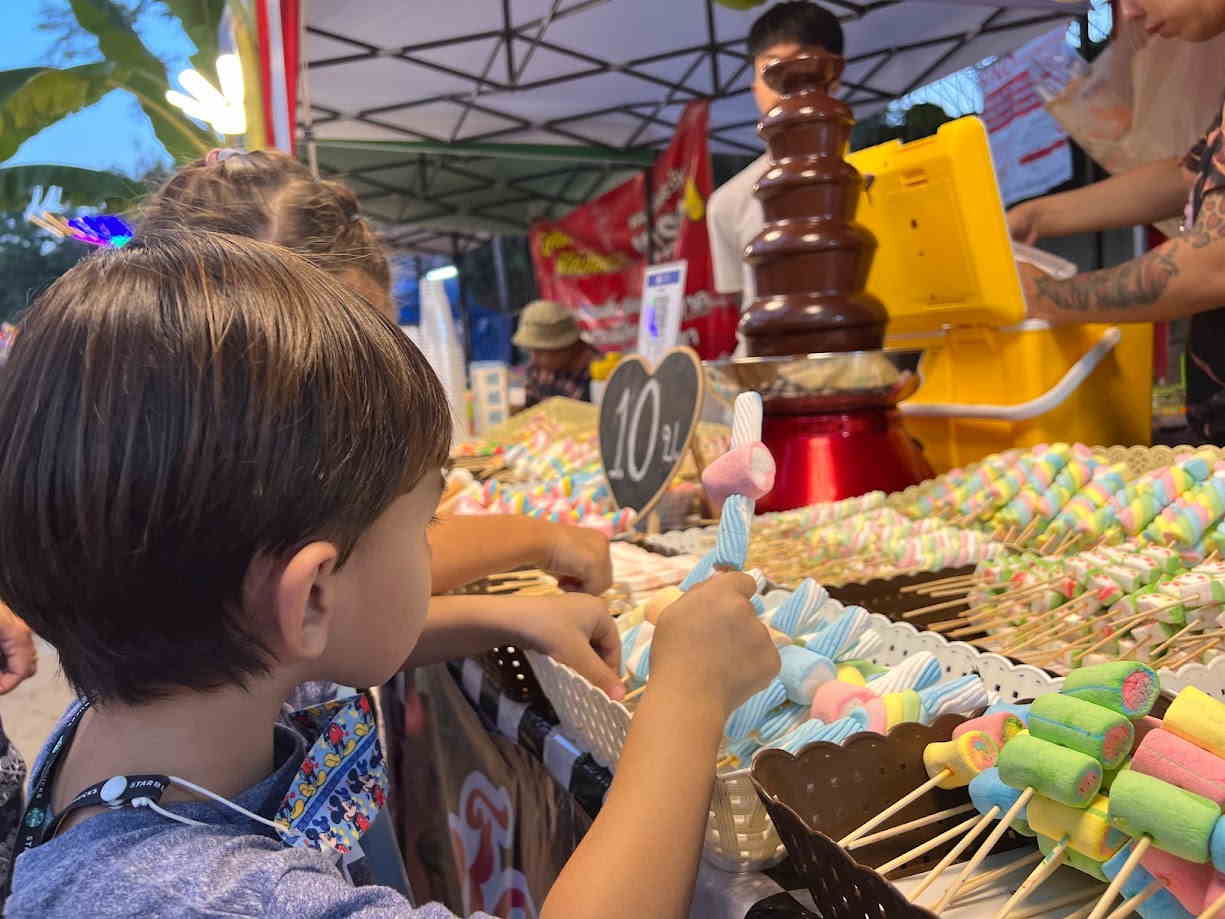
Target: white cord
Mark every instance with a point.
(175, 780)
(178, 818)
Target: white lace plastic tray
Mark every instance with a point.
(739, 834)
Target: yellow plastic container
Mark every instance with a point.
(982, 365)
(944, 269)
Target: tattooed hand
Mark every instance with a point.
(1181, 277)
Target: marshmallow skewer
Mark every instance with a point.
(956, 761)
(903, 828)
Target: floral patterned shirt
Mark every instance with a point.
(1205, 165)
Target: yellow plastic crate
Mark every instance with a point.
(944, 269)
(1007, 367)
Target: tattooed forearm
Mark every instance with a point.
(1139, 282)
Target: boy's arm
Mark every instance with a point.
(640, 857)
(574, 628)
(469, 548)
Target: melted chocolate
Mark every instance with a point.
(810, 261)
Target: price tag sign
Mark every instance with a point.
(663, 307)
(647, 419)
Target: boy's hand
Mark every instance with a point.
(710, 644)
(577, 630)
(580, 555)
(18, 659)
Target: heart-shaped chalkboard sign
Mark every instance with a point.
(647, 419)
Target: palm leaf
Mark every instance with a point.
(140, 71)
(34, 97)
(201, 19)
(80, 187)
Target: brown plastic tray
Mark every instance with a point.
(828, 790)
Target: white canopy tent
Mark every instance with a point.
(457, 120)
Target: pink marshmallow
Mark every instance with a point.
(834, 699)
(999, 726)
(1170, 758)
(1187, 882)
(747, 470)
(1144, 726)
(878, 720)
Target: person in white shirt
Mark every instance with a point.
(734, 216)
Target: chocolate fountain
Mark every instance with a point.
(813, 335)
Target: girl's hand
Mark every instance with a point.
(577, 630)
(18, 658)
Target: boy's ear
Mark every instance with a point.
(301, 595)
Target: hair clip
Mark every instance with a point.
(103, 230)
(220, 155)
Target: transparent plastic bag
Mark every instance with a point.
(1144, 98)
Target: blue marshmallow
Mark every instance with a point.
(803, 671)
(987, 791)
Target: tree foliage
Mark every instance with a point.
(30, 259)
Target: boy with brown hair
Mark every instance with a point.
(217, 470)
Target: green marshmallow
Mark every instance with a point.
(1067, 776)
(1074, 859)
(1076, 724)
(1179, 821)
(1126, 687)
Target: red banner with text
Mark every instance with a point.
(592, 259)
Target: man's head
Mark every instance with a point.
(780, 32)
(1188, 20)
(218, 463)
(550, 333)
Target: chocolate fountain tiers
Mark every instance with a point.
(810, 262)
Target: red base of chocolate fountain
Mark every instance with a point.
(836, 455)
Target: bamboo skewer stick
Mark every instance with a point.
(1130, 906)
(634, 693)
(1076, 897)
(1214, 910)
(990, 877)
(893, 808)
(903, 828)
(1193, 653)
(1142, 845)
(934, 608)
(955, 852)
(1045, 869)
(934, 842)
(1173, 639)
(988, 844)
(941, 582)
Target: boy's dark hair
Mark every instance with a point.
(271, 196)
(796, 22)
(171, 411)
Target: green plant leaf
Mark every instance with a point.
(33, 98)
(80, 187)
(139, 71)
(201, 19)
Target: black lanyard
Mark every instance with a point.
(38, 824)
